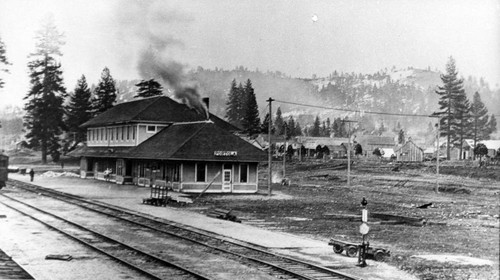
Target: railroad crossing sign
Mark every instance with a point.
(364, 229)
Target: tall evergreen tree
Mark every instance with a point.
(3, 60)
(251, 119)
(148, 88)
(265, 125)
(452, 87)
(278, 122)
(492, 126)
(291, 131)
(233, 105)
(401, 137)
(44, 101)
(479, 115)
(104, 93)
(461, 124)
(298, 129)
(79, 110)
(328, 127)
(315, 130)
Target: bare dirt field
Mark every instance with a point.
(455, 237)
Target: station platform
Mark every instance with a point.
(9, 269)
(300, 247)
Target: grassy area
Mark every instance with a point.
(463, 219)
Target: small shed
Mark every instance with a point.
(409, 152)
(493, 147)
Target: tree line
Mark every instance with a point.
(54, 115)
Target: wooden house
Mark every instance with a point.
(409, 152)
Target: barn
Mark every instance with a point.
(409, 152)
(159, 142)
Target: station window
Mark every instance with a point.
(151, 129)
(201, 172)
(243, 173)
(133, 132)
(116, 131)
(128, 132)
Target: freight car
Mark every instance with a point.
(4, 165)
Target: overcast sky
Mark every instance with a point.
(299, 38)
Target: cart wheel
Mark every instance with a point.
(337, 249)
(351, 251)
(379, 256)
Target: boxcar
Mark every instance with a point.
(4, 165)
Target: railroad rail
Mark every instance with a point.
(143, 262)
(281, 267)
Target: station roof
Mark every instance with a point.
(201, 141)
(159, 109)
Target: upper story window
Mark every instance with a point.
(151, 128)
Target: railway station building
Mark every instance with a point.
(160, 142)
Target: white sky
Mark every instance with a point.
(349, 36)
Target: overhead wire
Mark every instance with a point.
(356, 111)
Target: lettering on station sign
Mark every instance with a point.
(225, 153)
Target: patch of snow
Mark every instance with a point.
(455, 259)
(59, 174)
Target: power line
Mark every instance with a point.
(356, 111)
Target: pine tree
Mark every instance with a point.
(492, 126)
(461, 124)
(44, 106)
(401, 137)
(104, 93)
(278, 122)
(79, 110)
(479, 115)
(233, 105)
(265, 125)
(298, 129)
(291, 128)
(251, 119)
(328, 127)
(315, 130)
(452, 87)
(148, 88)
(3, 60)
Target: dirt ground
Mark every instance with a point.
(457, 236)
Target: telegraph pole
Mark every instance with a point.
(284, 155)
(349, 151)
(438, 125)
(270, 156)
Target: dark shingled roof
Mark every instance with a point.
(104, 152)
(183, 141)
(196, 141)
(160, 109)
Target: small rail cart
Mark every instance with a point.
(351, 250)
(159, 196)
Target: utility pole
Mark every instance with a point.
(270, 156)
(438, 125)
(348, 151)
(284, 154)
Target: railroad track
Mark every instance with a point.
(276, 265)
(143, 262)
